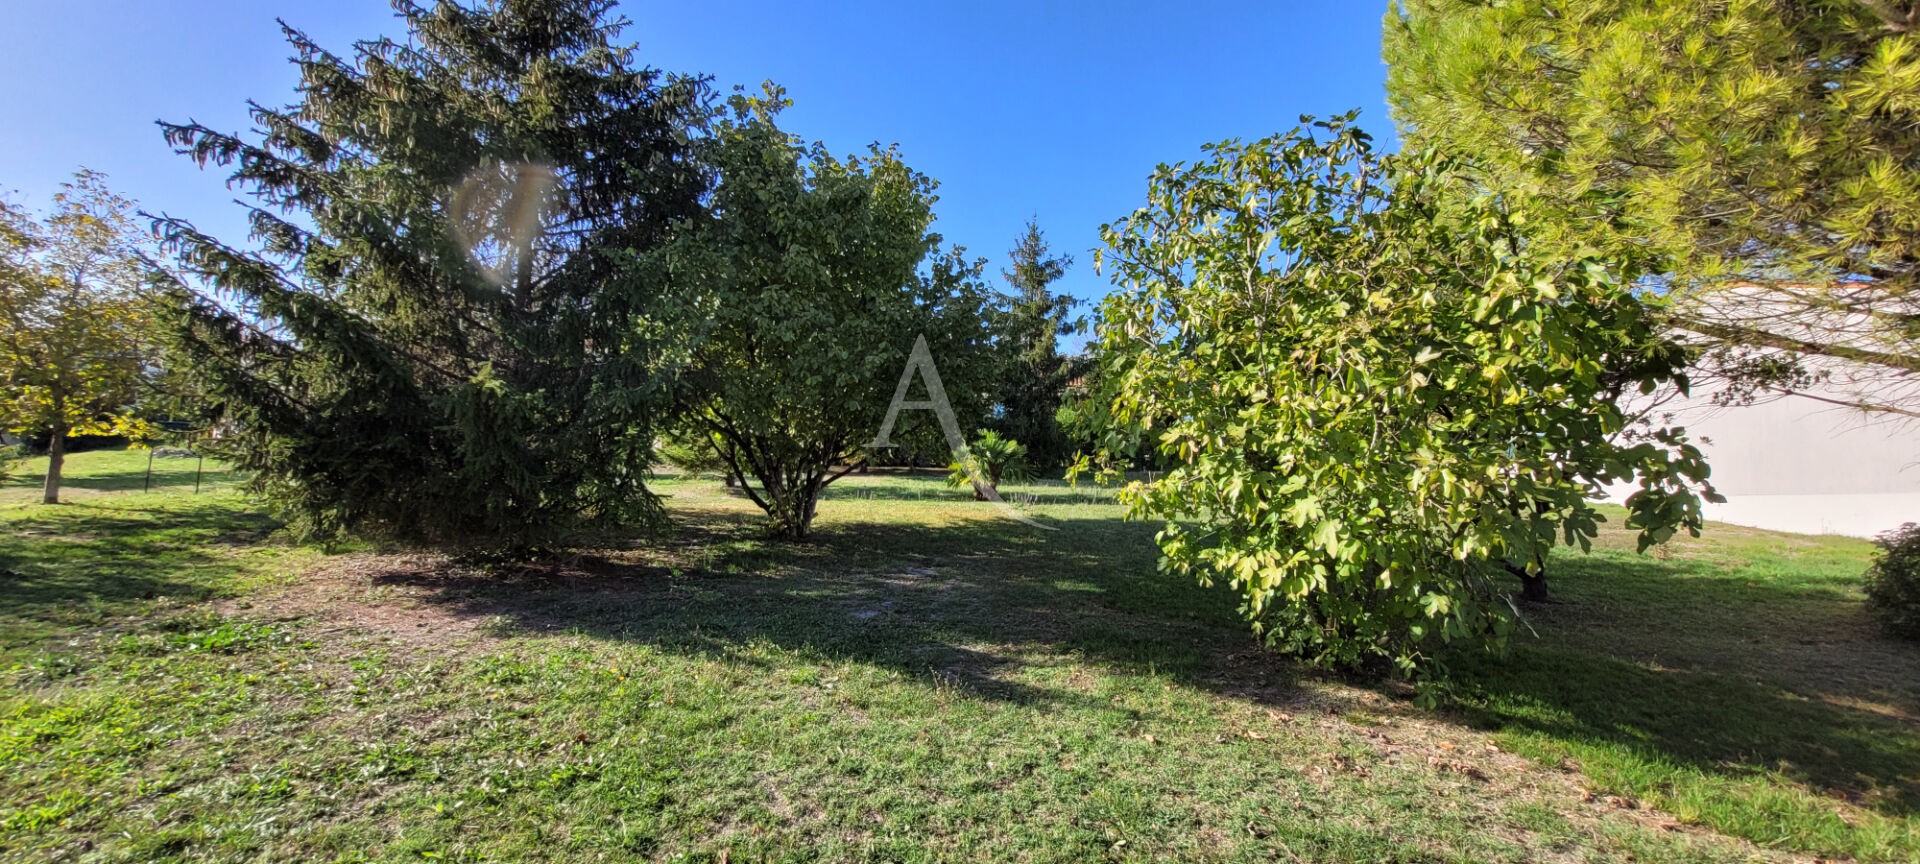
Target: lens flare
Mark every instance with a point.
(499, 211)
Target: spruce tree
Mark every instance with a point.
(442, 332)
(1036, 373)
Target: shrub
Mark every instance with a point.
(11, 455)
(992, 458)
(1373, 408)
(1893, 582)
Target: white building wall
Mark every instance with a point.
(1799, 465)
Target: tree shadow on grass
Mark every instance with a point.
(78, 564)
(1671, 661)
(1709, 722)
(975, 602)
(972, 604)
(169, 474)
(1683, 663)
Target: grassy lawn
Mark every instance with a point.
(922, 681)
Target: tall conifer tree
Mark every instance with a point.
(442, 334)
(1037, 374)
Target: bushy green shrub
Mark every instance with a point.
(1374, 411)
(991, 458)
(1893, 582)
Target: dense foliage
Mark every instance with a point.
(991, 458)
(693, 452)
(443, 335)
(1893, 582)
(1372, 406)
(1764, 148)
(805, 289)
(76, 328)
(1036, 373)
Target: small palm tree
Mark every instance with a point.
(990, 459)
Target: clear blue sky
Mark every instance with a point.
(1053, 109)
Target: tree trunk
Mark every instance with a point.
(1533, 588)
(792, 521)
(790, 507)
(56, 459)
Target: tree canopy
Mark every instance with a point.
(1372, 405)
(1763, 149)
(806, 288)
(76, 326)
(441, 332)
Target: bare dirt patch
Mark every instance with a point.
(343, 594)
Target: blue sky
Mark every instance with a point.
(1057, 110)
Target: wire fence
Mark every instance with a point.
(170, 470)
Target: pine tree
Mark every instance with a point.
(443, 333)
(1764, 148)
(1037, 374)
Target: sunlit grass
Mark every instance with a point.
(112, 473)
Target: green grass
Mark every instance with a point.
(922, 681)
(97, 472)
(1734, 681)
